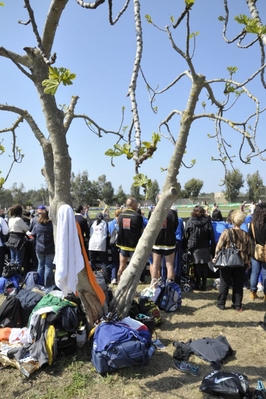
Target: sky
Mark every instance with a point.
(102, 57)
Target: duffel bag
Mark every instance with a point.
(116, 346)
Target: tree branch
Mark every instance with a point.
(90, 5)
(17, 60)
(51, 24)
(111, 20)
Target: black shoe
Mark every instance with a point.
(221, 307)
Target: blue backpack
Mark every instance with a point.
(32, 279)
(116, 346)
(170, 298)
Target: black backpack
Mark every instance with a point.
(10, 312)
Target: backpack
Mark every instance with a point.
(10, 269)
(65, 323)
(170, 298)
(32, 279)
(10, 312)
(28, 300)
(149, 308)
(224, 383)
(115, 346)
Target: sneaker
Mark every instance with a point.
(186, 368)
(260, 287)
(114, 281)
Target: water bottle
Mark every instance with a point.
(164, 302)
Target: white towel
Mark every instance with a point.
(68, 257)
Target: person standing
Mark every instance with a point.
(165, 245)
(113, 228)
(234, 275)
(45, 248)
(200, 243)
(16, 240)
(82, 221)
(98, 242)
(4, 232)
(257, 231)
(130, 224)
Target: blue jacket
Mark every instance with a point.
(43, 234)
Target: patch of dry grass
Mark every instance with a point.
(73, 377)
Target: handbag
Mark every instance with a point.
(10, 269)
(229, 257)
(259, 250)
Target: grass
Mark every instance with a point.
(183, 212)
(74, 377)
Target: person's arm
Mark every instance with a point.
(4, 227)
(222, 242)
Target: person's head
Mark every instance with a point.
(198, 212)
(80, 209)
(43, 217)
(99, 217)
(41, 209)
(259, 215)
(237, 217)
(132, 203)
(217, 215)
(16, 210)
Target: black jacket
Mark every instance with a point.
(199, 233)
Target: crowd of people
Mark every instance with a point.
(30, 244)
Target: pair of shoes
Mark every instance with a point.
(253, 295)
(114, 281)
(186, 368)
(221, 307)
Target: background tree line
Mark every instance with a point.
(86, 191)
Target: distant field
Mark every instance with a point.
(184, 211)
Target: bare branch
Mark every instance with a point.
(17, 60)
(111, 20)
(51, 24)
(133, 82)
(25, 115)
(90, 5)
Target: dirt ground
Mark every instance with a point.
(74, 377)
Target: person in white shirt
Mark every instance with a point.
(98, 241)
(17, 230)
(3, 232)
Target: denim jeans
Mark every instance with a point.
(256, 268)
(16, 256)
(45, 268)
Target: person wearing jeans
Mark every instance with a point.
(45, 249)
(257, 231)
(257, 268)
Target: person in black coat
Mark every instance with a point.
(200, 242)
(82, 221)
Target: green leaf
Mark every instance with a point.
(146, 144)
(50, 85)
(193, 34)
(189, 2)
(2, 4)
(221, 18)
(148, 18)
